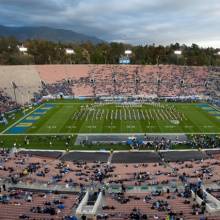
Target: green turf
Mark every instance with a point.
(38, 142)
(50, 142)
(86, 117)
(54, 143)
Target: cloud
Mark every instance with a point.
(131, 21)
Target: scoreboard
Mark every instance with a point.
(124, 60)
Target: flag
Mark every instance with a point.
(14, 85)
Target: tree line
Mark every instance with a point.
(46, 52)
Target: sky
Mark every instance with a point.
(131, 21)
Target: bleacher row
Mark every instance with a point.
(107, 80)
(80, 170)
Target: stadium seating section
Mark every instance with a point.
(47, 187)
(106, 80)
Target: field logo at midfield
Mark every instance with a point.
(27, 122)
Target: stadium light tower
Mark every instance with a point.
(216, 55)
(178, 52)
(69, 51)
(128, 52)
(158, 58)
(22, 49)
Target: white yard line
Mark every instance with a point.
(25, 116)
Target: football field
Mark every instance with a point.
(83, 117)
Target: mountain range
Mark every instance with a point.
(46, 33)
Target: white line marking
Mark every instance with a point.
(116, 134)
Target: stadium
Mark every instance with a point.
(110, 141)
(103, 116)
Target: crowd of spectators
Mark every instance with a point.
(213, 82)
(165, 81)
(204, 141)
(166, 198)
(163, 143)
(6, 103)
(62, 88)
(121, 80)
